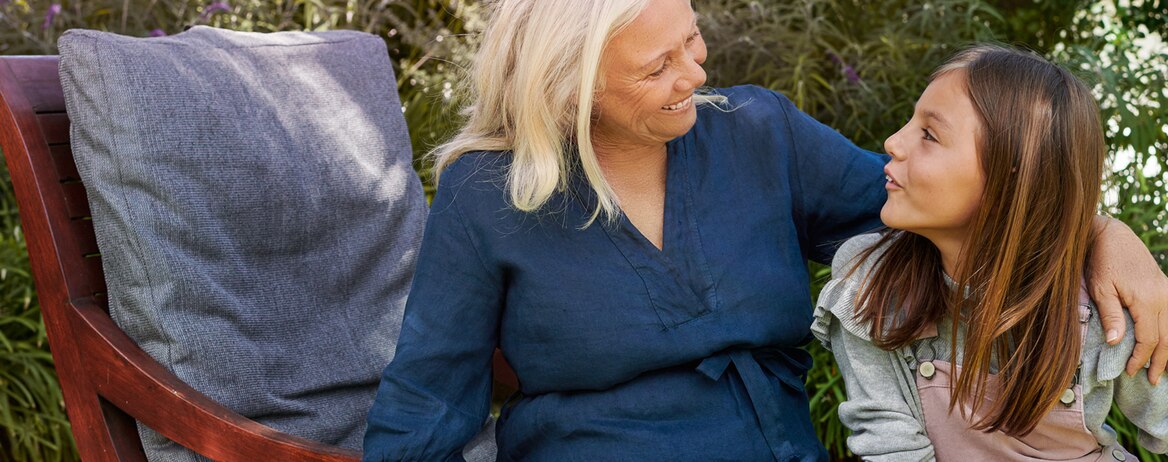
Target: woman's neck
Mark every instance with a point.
(631, 164)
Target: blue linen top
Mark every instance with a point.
(623, 350)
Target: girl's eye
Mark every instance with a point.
(926, 135)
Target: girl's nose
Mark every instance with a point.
(892, 145)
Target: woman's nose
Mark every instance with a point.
(693, 75)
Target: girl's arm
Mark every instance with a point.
(1104, 383)
(1146, 406)
(1122, 273)
(877, 411)
(882, 409)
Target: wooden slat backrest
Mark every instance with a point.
(42, 168)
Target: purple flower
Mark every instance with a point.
(849, 71)
(54, 10)
(217, 7)
(851, 74)
(158, 33)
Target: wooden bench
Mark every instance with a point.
(107, 380)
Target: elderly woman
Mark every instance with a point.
(639, 258)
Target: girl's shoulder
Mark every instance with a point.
(837, 300)
(850, 262)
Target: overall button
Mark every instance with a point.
(927, 369)
(1068, 398)
(1118, 454)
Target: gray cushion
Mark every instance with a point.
(256, 211)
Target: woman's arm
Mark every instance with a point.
(837, 187)
(435, 393)
(1122, 273)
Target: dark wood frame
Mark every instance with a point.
(107, 380)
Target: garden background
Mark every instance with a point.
(856, 65)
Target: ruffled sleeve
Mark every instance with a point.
(881, 410)
(837, 300)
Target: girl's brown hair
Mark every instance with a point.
(1017, 283)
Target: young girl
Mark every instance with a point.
(963, 333)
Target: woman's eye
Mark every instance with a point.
(693, 37)
(658, 72)
(926, 135)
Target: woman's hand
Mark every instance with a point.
(1122, 273)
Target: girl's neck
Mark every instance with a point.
(950, 249)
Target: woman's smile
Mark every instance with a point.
(680, 105)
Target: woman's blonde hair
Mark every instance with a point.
(533, 82)
(1042, 151)
(532, 92)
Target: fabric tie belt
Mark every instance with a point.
(788, 365)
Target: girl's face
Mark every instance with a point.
(650, 71)
(935, 180)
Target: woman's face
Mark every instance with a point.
(935, 180)
(650, 71)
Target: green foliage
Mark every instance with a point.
(1133, 86)
(32, 421)
(855, 65)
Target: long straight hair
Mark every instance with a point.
(1017, 282)
(532, 91)
(533, 80)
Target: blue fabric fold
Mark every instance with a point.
(788, 365)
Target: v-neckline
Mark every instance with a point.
(674, 187)
(676, 275)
